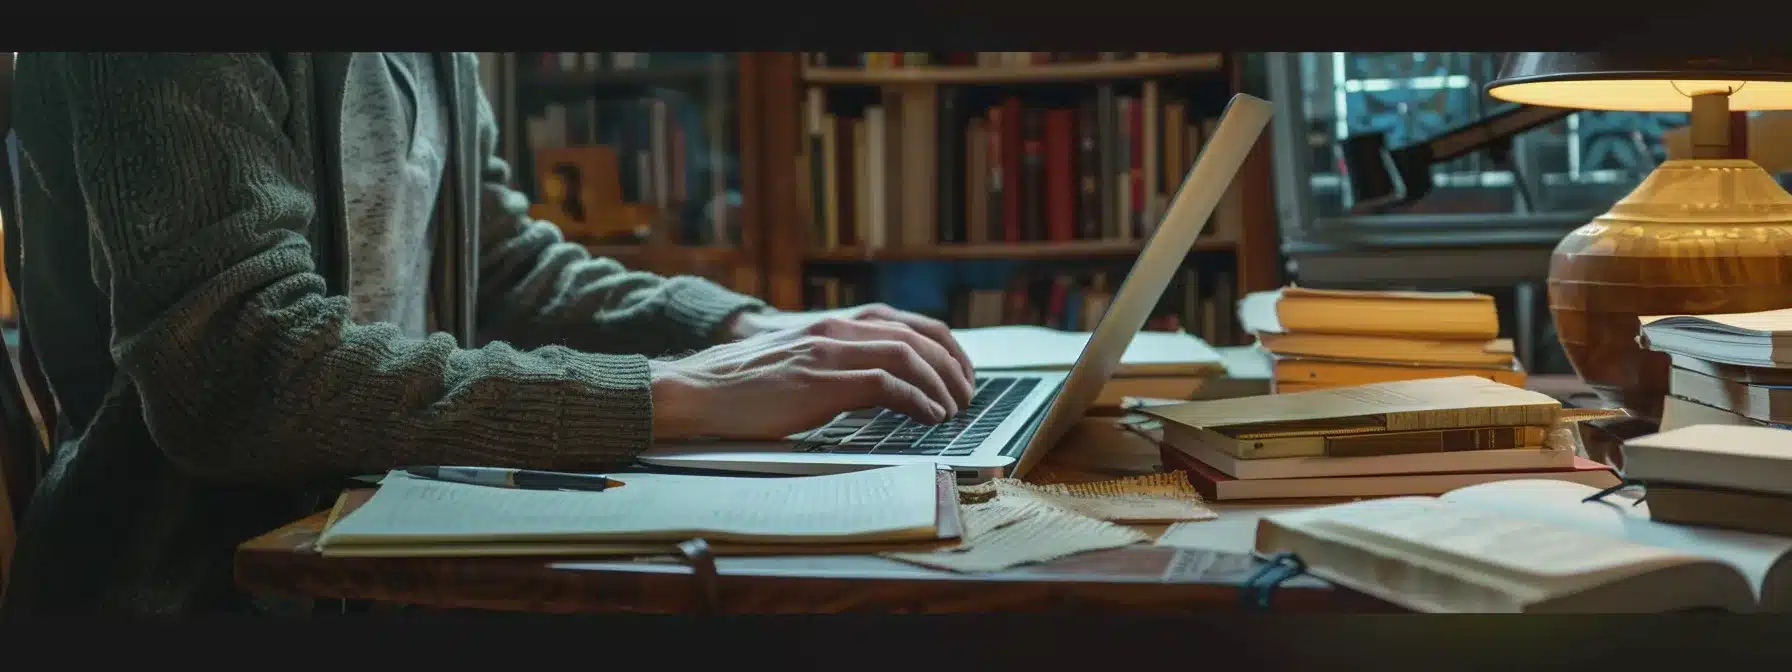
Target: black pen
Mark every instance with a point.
(522, 479)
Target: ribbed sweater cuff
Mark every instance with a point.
(700, 308)
(609, 415)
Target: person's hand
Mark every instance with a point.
(746, 325)
(777, 383)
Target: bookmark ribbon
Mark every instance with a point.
(1255, 593)
(1602, 494)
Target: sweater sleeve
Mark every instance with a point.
(248, 372)
(535, 287)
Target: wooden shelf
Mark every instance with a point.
(951, 251)
(1053, 72)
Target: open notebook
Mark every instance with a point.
(1533, 546)
(893, 507)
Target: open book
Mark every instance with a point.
(1532, 546)
(1762, 339)
(410, 516)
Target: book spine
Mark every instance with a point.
(1542, 415)
(1441, 441)
(1088, 172)
(1032, 190)
(1060, 168)
(1012, 213)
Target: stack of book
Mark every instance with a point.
(1324, 338)
(1414, 437)
(1727, 369)
(1720, 476)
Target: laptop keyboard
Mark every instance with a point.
(885, 432)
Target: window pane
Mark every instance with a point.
(1585, 161)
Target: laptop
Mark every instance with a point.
(1014, 418)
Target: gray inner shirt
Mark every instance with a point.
(394, 140)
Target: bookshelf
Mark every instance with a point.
(638, 155)
(1016, 74)
(817, 105)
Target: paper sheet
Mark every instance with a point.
(873, 504)
(1152, 498)
(1000, 535)
(1022, 347)
(1008, 523)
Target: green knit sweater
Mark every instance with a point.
(182, 283)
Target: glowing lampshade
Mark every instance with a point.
(1643, 82)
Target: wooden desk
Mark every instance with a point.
(1135, 579)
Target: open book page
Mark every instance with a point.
(1559, 504)
(875, 504)
(1021, 347)
(1512, 544)
(1438, 557)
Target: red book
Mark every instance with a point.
(995, 131)
(1010, 156)
(1135, 122)
(1060, 174)
(1217, 486)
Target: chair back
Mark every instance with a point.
(27, 410)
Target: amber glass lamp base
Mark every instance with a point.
(1698, 236)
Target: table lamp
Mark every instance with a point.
(1710, 234)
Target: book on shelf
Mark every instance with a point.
(667, 156)
(948, 164)
(1532, 546)
(555, 62)
(879, 60)
(1065, 300)
(1730, 476)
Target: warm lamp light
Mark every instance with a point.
(1697, 236)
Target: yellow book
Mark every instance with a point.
(1424, 315)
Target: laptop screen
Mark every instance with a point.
(1214, 169)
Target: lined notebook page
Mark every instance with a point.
(890, 503)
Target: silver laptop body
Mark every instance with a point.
(1015, 417)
